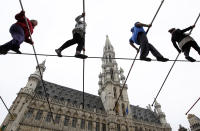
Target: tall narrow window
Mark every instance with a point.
(118, 127)
(126, 128)
(89, 125)
(66, 121)
(39, 115)
(57, 120)
(82, 124)
(123, 109)
(29, 113)
(122, 97)
(74, 121)
(103, 127)
(97, 126)
(115, 92)
(48, 118)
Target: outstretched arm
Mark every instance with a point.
(138, 24)
(187, 29)
(20, 16)
(79, 17)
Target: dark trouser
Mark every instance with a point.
(146, 47)
(76, 39)
(186, 48)
(17, 34)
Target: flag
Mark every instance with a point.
(127, 110)
(3, 128)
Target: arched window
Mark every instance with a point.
(118, 127)
(82, 124)
(97, 126)
(57, 120)
(74, 121)
(29, 113)
(89, 125)
(103, 127)
(66, 121)
(48, 118)
(39, 115)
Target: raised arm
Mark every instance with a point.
(187, 29)
(20, 16)
(138, 24)
(79, 17)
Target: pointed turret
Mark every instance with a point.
(35, 78)
(161, 114)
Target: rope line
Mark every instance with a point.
(199, 97)
(173, 65)
(41, 77)
(93, 57)
(192, 106)
(84, 59)
(137, 55)
(165, 79)
(12, 116)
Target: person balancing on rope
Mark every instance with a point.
(78, 37)
(20, 33)
(185, 42)
(139, 37)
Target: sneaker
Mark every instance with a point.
(145, 58)
(17, 51)
(80, 56)
(162, 59)
(190, 59)
(3, 52)
(58, 52)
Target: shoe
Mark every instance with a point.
(58, 52)
(15, 48)
(145, 58)
(3, 52)
(162, 59)
(190, 59)
(80, 56)
(17, 51)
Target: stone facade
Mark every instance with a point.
(100, 113)
(194, 122)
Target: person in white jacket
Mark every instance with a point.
(78, 37)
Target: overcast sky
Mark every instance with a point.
(113, 18)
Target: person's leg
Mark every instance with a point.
(5, 47)
(80, 46)
(18, 37)
(156, 53)
(142, 39)
(66, 45)
(195, 46)
(186, 50)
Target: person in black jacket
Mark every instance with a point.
(185, 42)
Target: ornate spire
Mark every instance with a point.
(35, 78)
(110, 83)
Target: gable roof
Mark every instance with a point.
(91, 101)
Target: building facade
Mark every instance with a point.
(106, 112)
(194, 122)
